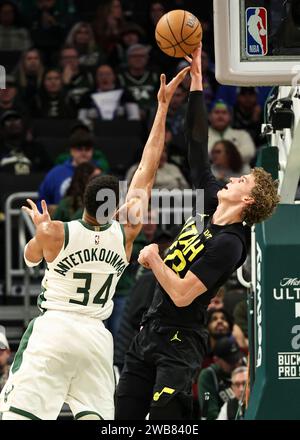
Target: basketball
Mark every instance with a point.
(178, 33)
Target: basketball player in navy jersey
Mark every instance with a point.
(167, 352)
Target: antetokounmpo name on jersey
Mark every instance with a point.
(91, 255)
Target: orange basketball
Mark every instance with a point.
(178, 33)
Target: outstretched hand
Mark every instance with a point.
(35, 214)
(195, 61)
(166, 91)
(146, 254)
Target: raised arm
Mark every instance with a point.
(146, 171)
(49, 235)
(196, 130)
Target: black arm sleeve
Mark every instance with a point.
(196, 132)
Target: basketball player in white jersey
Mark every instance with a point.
(66, 354)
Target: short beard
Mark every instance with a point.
(218, 336)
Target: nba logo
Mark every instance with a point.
(97, 239)
(256, 32)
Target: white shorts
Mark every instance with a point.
(62, 357)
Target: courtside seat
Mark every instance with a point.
(118, 128)
(121, 152)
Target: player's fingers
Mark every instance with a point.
(180, 76)
(44, 207)
(32, 204)
(188, 59)
(197, 52)
(162, 89)
(28, 211)
(184, 71)
(155, 247)
(142, 261)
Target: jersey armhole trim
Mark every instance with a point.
(86, 413)
(23, 413)
(66, 228)
(124, 236)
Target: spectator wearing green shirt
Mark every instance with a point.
(214, 383)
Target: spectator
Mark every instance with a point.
(220, 129)
(156, 11)
(141, 82)
(71, 206)
(4, 357)
(175, 138)
(107, 24)
(51, 101)
(57, 181)
(247, 114)
(168, 175)
(130, 34)
(10, 98)
(18, 153)
(227, 161)
(176, 112)
(240, 328)
(175, 124)
(76, 79)
(12, 35)
(229, 94)
(214, 383)
(47, 28)
(86, 10)
(219, 324)
(82, 38)
(29, 74)
(80, 130)
(234, 408)
(97, 105)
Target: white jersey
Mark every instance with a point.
(84, 275)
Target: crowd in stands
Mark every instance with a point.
(97, 62)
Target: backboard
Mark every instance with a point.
(257, 42)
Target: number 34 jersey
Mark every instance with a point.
(84, 275)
